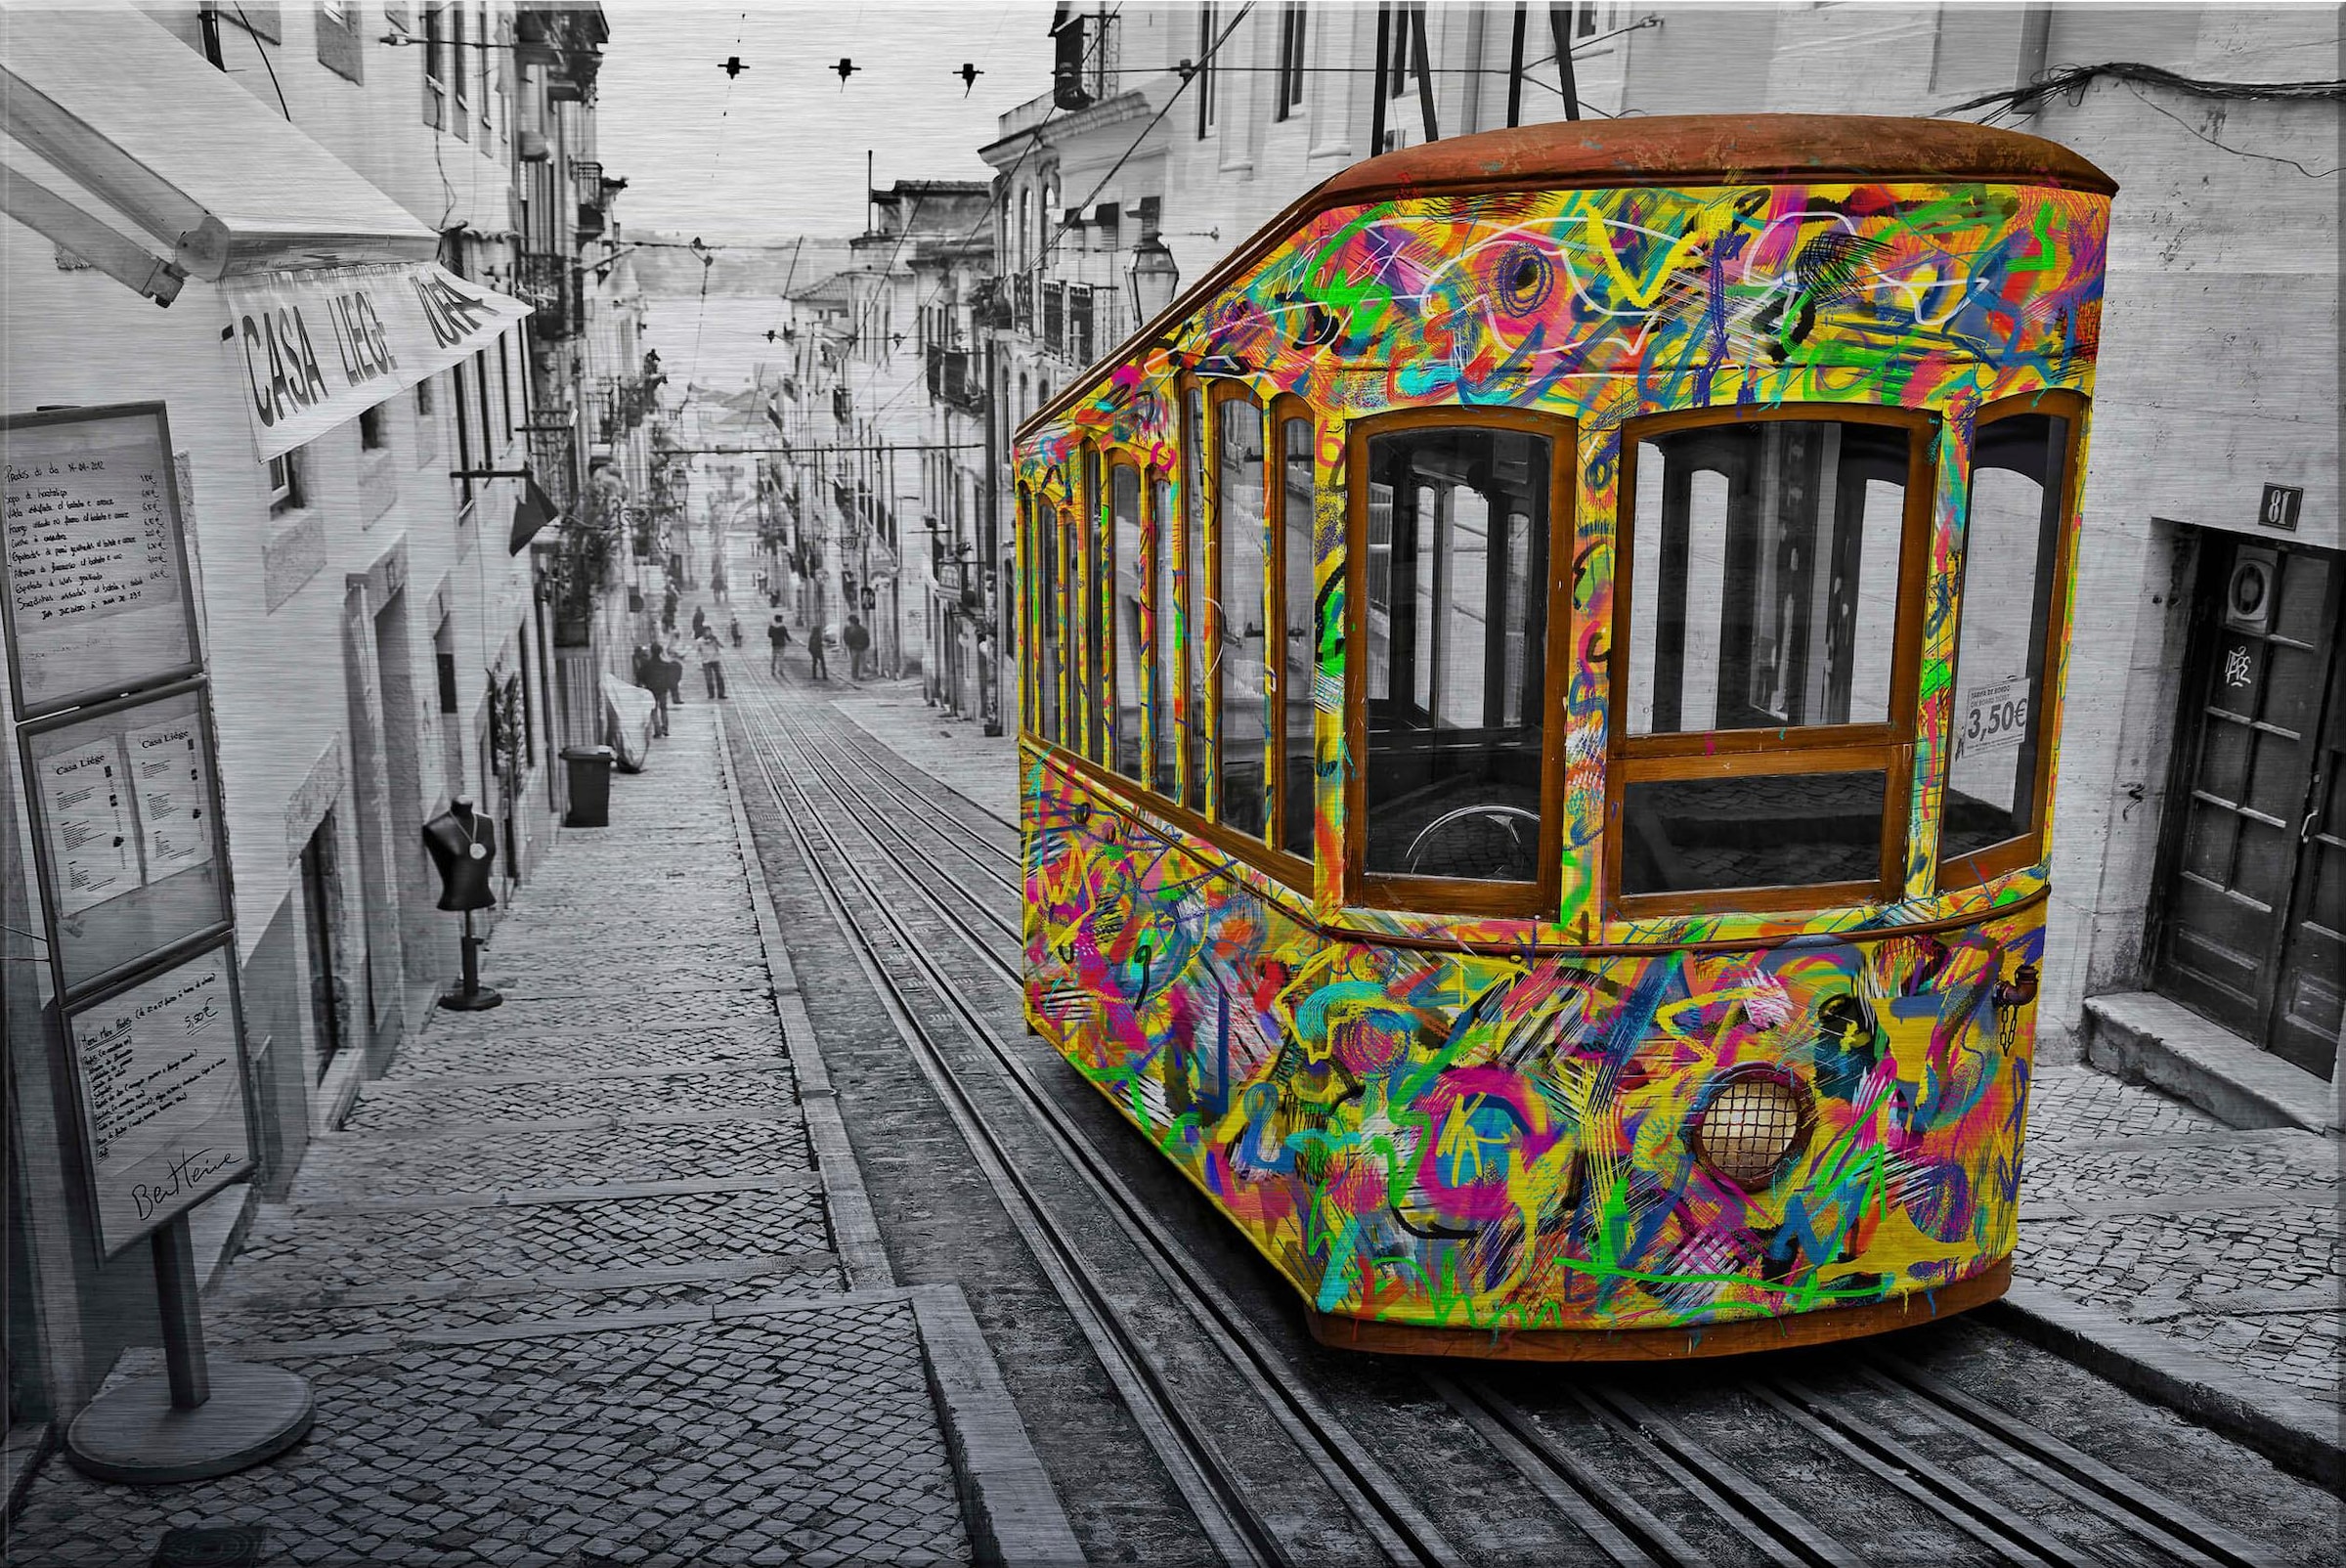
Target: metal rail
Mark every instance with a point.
(1621, 1527)
(1400, 1529)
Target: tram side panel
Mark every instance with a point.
(1455, 1141)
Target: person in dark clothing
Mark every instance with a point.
(700, 621)
(668, 612)
(859, 642)
(817, 668)
(643, 666)
(671, 667)
(660, 680)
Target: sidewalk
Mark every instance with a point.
(2195, 1264)
(591, 1278)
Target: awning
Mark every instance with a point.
(322, 346)
(111, 115)
(532, 512)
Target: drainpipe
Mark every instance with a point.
(2036, 42)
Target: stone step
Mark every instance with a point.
(618, 1046)
(454, 1101)
(294, 1251)
(345, 1166)
(2145, 1039)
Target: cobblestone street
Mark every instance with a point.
(569, 1284)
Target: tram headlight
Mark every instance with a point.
(1751, 1123)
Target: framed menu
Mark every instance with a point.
(126, 832)
(97, 599)
(157, 1069)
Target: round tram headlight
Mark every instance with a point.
(1750, 1125)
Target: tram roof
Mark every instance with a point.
(1713, 150)
(1660, 149)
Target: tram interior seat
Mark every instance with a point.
(1698, 834)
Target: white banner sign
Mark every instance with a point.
(320, 348)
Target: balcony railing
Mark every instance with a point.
(551, 284)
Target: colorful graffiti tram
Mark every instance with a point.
(1541, 684)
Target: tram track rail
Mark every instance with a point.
(1238, 1531)
(1614, 1522)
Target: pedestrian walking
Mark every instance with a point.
(643, 665)
(668, 612)
(817, 669)
(733, 628)
(660, 680)
(778, 641)
(716, 587)
(700, 621)
(713, 663)
(859, 642)
(671, 667)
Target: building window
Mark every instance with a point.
(1455, 698)
(285, 483)
(1290, 61)
(1585, 19)
(1080, 346)
(372, 437)
(1768, 628)
(435, 67)
(340, 50)
(423, 398)
(1206, 33)
(459, 120)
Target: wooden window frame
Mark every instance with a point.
(1090, 518)
(1772, 752)
(1158, 527)
(1285, 406)
(1023, 520)
(1067, 599)
(2026, 848)
(1113, 458)
(1461, 895)
(1218, 394)
(1191, 474)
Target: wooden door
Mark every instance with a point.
(2258, 687)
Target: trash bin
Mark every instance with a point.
(589, 786)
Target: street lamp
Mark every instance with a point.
(1154, 276)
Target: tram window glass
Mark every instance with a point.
(1126, 575)
(1764, 569)
(1046, 642)
(1784, 830)
(2020, 470)
(1167, 649)
(1298, 628)
(1071, 561)
(1192, 632)
(1457, 611)
(1240, 647)
(1091, 546)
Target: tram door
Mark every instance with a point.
(2253, 933)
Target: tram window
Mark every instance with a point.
(1092, 544)
(1298, 628)
(1241, 644)
(1046, 642)
(1167, 648)
(1784, 830)
(1455, 603)
(1764, 569)
(1125, 576)
(1192, 632)
(2019, 471)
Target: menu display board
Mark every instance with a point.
(157, 1067)
(126, 832)
(97, 598)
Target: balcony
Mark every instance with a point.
(551, 284)
(953, 381)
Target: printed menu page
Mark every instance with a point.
(86, 800)
(159, 1072)
(92, 555)
(166, 762)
